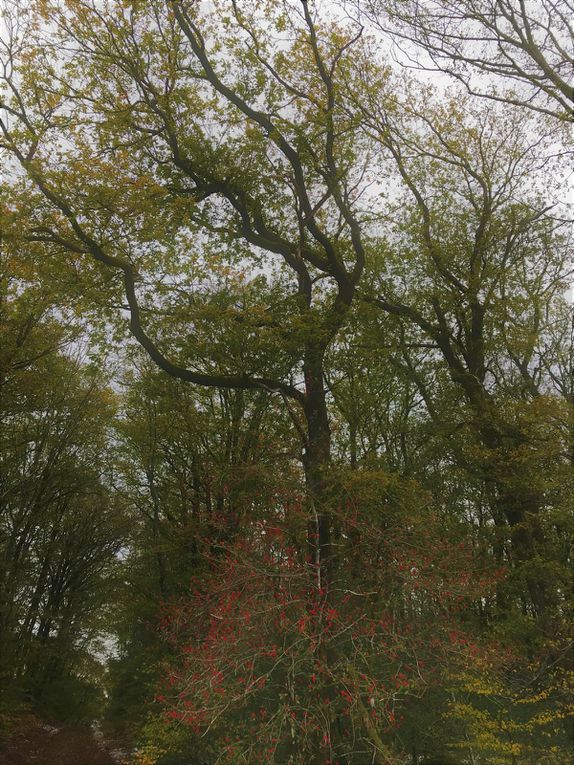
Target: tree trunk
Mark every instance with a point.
(317, 460)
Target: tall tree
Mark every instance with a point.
(490, 258)
(247, 158)
(234, 155)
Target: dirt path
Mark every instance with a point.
(35, 744)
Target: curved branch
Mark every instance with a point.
(130, 278)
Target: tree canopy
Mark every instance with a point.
(287, 379)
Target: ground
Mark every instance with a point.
(33, 743)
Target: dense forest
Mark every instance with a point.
(287, 380)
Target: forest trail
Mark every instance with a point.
(33, 743)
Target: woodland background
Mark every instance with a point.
(287, 378)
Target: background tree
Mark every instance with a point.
(526, 46)
(60, 526)
(484, 317)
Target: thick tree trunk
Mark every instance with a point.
(317, 460)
